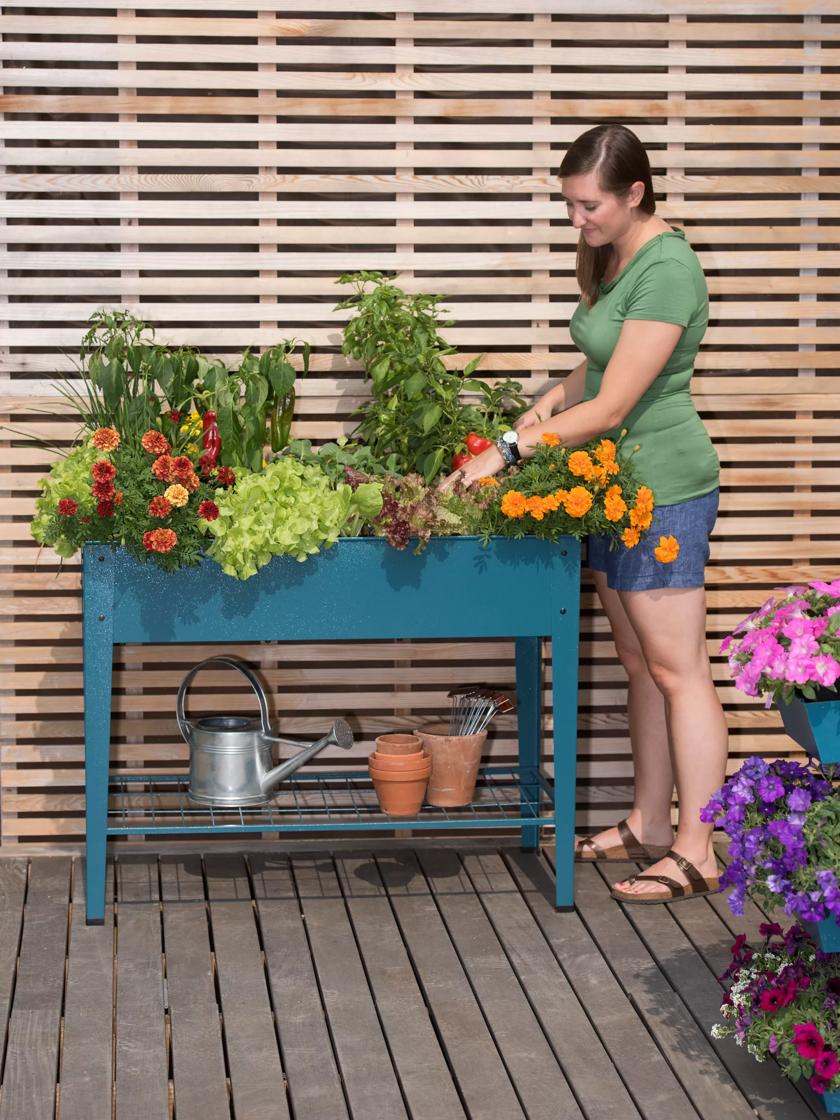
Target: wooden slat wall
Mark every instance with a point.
(214, 167)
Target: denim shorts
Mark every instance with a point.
(637, 569)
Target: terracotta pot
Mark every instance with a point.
(400, 794)
(455, 762)
(398, 743)
(399, 762)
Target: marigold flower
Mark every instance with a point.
(162, 468)
(488, 481)
(103, 490)
(580, 464)
(630, 538)
(176, 494)
(106, 439)
(644, 498)
(160, 540)
(599, 475)
(192, 483)
(536, 507)
(578, 502)
(67, 507)
(225, 476)
(208, 510)
(155, 442)
(551, 502)
(118, 498)
(514, 504)
(105, 508)
(550, 439)
(181, 468)
(640, 519)
(615, 506)
(103, 471)
(160, 507)
(605, 452)
(85, 520)
(667, 550)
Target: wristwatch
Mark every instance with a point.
(508, 445)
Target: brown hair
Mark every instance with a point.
(617, 156)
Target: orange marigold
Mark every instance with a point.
(615, 506)
(630, 537)
(605, 453)
(176, 494)
(667, 550)
(640, 519)
(181, 468)
(192, 482)
(514, 504)
(488, 480)
(551, 502)
(550, 439)
(155, 442)
(103, 471)
(580, 464)
(160, 507)
(536, 507)
(644, 499)
(578, 502)
(160, 540)
(162, 468)
(106, 439)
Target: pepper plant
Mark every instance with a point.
(416, 418)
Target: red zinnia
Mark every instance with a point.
(160, 540)
(208, 510)
(105, 509)
(103, 490)
(225, 476)
(103, 471)
(155, 442)
(162, 468)
(160, 507)
(67, 507)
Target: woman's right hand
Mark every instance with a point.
(535, 415)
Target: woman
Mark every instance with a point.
(642, 315)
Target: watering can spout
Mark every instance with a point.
(339, 735)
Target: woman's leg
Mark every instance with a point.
(650, 817)
(671, 627)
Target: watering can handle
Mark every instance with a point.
(232, 663)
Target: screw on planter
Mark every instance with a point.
(102, 618)
(562, 610)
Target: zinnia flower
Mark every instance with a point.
(67, 507)
(667, 550)
(176, 494)
(630, 538)
(578, 502)
(106, 439)
(174, 415)
(550, 439)
(155, 442)
(580, 464)
(225, 476)
(514, 504)
(208, 510)
(160, 540)
(103, 471)
(160, 507)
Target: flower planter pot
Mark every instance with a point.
(827, 934)
(398, 743)
(400, 793)
(455, 761)
(399, 763)
(814, 724)
(831, 1101)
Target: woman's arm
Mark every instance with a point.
(563, 395)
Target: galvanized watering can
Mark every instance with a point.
(230, 756)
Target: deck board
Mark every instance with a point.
(422, 981)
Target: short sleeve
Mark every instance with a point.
(664, 293)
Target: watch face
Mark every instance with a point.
(510, 437)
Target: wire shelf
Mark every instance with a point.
(143, 804)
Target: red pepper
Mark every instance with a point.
(460, 459)
(211, 443)
(476, 444)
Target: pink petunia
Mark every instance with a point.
(832, 588)
(808, 1041)
(826, 669)
(826, 1065)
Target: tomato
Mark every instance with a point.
(476, 444)
(460, 460)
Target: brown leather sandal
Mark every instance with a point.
(676, 892)
(587, 849)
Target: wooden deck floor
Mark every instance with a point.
(429, 983)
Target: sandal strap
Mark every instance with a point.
(632, 845)
(592, 844)
(688, 869)
(676, 889)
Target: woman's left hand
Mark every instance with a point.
(485, 465)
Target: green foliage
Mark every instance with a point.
(69, 477)
(335, 458)
(416, 418)
(288, 509)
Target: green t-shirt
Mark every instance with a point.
(662, 282)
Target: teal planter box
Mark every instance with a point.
(831, 1101)
(360, 589)
(815, 725)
